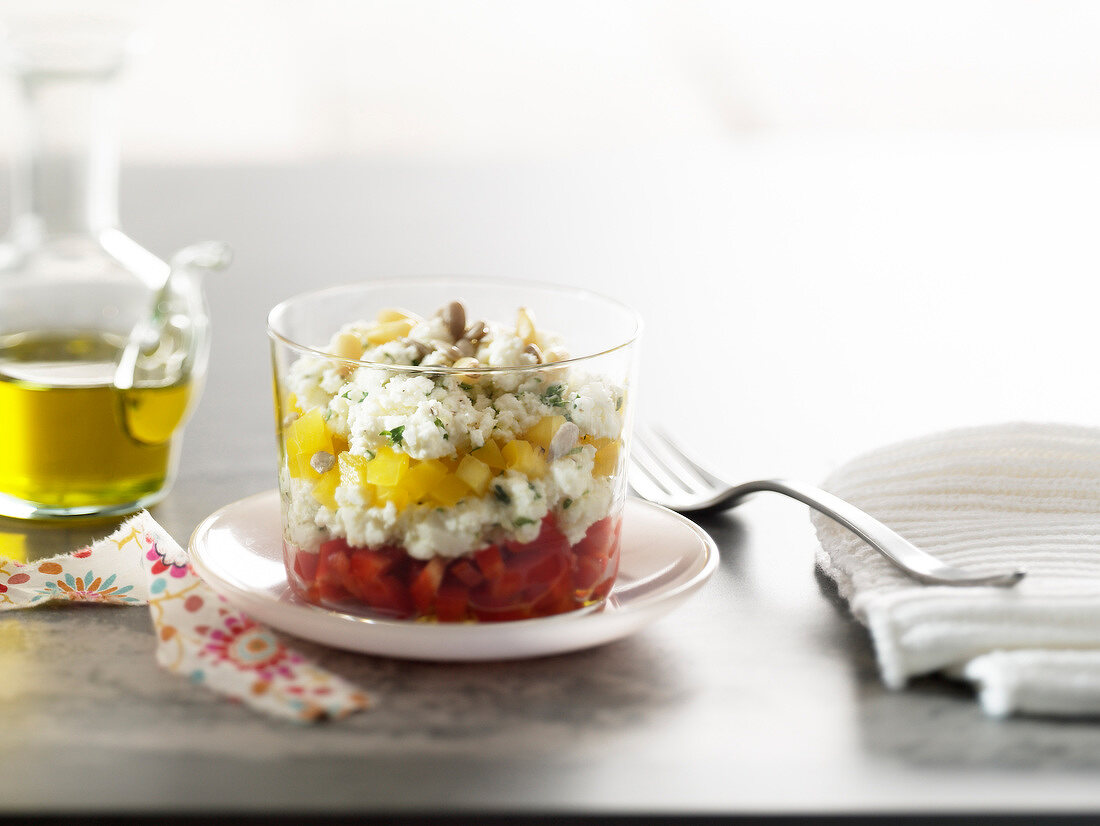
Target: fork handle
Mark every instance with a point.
(901, 552)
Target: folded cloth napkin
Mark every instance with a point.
(199, 635)
(988, 499)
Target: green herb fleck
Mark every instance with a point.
(371, 452)
(565, 505)
(573, 452)
(551, 396)
(465, 386)
(523, 520)
(394, 435)
(534, 490)
(502, 495)
(619, 403)
(446, 435)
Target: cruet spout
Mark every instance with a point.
(170, 343)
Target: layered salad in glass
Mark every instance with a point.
(450, 467)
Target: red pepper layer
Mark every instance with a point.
(509, 581)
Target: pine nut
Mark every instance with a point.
(347, 346)
(455, 316)
(476, 331)
(322, 461)
(525, 325)
(564, 441)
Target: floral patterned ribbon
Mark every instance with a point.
(199, 635)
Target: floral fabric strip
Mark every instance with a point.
(199, 635)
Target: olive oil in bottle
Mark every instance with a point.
(70, 437)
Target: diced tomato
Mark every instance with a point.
(332, 592)
(388, 595)
(598, 539)
(489, 561)
(305, 564)
(332, 561)
(426, 584)
(452, 602)
(587, 573)
(367, 564)
(558, 597)
(497, 583)
(549, 537)
(466, 572)
(506, 586)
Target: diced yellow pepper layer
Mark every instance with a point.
(490, 455)
(607, 455)
(542, 433)
(353, 470)
(474, 473)
(422, 478)
(399, 497)
(387, 468)
(325, 490)
(521, 456)
(449, 491)
(306, 435)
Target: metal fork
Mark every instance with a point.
(662, 473)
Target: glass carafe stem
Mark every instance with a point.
(65, 178)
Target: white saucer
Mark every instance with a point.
(238, 551)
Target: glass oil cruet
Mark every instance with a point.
(103, 345)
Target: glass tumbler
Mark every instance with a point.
(453, 449)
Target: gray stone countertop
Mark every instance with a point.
(760, 694)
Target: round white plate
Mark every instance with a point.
(238, 551)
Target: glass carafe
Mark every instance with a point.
(102, 344)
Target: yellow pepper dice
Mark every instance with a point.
(607, 456)
(449, 491)
(353, 469)
(353, 473)
(522, 456)
(325, 490)
(474, 473)
(542, 433)
(399, 497)
(422, 477)
(490, 454)
(387, 468)
(306, 435)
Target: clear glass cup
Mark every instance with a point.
(470, 477)
(103, 345)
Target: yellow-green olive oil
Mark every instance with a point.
(70, 438)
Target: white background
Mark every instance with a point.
(258, 80)
(881, 216)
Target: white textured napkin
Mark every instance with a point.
(989, 499)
